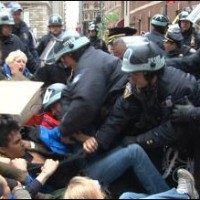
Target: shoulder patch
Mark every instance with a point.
(128, 91)
(25, 36)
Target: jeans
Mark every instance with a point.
(171, 194)
(114, 165)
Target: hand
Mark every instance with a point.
(5, 187)
(49, 167)
(91, 145)
(182, 113)
(20, 163)
(129, 140)
(5, 160)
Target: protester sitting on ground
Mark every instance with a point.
(15, 192)
(103, 169)
(86, 188)
(15, 65)
(18, 166)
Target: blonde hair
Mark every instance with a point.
(14, 55)
(83, 188)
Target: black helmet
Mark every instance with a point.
(53, 94)
(68, 42)
(160, 20)
(142, 57)
(183, 16)
(55, 20)
(174, 34)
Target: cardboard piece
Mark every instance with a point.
(21, 99)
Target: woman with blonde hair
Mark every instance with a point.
(84, 188)
(15, 65)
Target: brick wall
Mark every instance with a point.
(142, 11)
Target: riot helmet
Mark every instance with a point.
(160, 20)
(55, 20)
(2, 6)
(53, 94)
(67, 43)
(93, 27)
(6, 18)
(15, 7)
(142, 57)
(174, 34)
(183, 16)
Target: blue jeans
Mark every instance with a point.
(171, 194)
(114, 165)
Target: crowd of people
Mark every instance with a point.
(118, 120)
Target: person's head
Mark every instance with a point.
(143, 62)
(84, 188)
(118, 47)
(51, 100)
(55, 24)
(16, 11)
(11, 144)
(173, 39)
(16, 60)
(184, 22)
(92, 30)
(6, 24)
(68, 48)
(160, 23)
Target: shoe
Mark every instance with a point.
(186, 184)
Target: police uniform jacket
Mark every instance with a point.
(191, 38)
(92, 89)
(22, 31)
(150, 111)
(156, 37)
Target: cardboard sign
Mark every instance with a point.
(21, 99)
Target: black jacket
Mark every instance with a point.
(13, 43)
(149, 113)
(93, 89)
(189, 64)
(23, 32)
(98, 43)
(191, 35)
(51, 74)
(156, 37)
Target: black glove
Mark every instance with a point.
(129, 140)
(182, 113)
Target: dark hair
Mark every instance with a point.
(79, 52)
(7, 126)
(160, 29)
(150, 75)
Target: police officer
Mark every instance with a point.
(159, 24)
(191, 37)
(55, 29)
(21, 29)
(93, 36)
(173, 43)
(10, 42)
(145, 108)
(95, 82)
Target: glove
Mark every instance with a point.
(182, 113)
(129, 140)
